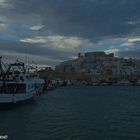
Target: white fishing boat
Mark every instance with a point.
(16, 85)
(39, 82)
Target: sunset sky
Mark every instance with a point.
(51, 31)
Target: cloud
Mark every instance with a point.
(47, 51)
(36, 27)
(53, 47)
(131, 42)
(35, 40)
(137, 22)
(112, 50)
(127, 44)
(2, 25)
(12, 56)
(131, 53)
(92, 19)
(5, 4)
(52, 54)
(134, 40)
(61, 42)
(59, 29)
(56, 40)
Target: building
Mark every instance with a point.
(99, 65)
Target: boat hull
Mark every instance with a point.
(11, 100)
(5, 106)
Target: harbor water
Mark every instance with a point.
(76, 113)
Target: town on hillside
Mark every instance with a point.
(96, 68)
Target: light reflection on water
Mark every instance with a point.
(77, 113)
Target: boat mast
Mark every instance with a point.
(2, 75)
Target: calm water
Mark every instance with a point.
(77, 113)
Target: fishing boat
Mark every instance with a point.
(16, 84)
(39, 82)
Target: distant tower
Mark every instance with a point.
(79, 55)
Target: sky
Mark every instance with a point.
(48, 32)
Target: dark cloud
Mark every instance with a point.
(132, 53)
(93, 19)
(29, 49)
(1, 22)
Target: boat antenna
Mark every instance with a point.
(2, 75)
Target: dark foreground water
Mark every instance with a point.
(77, 113)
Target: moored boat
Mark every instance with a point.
(16, 84)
